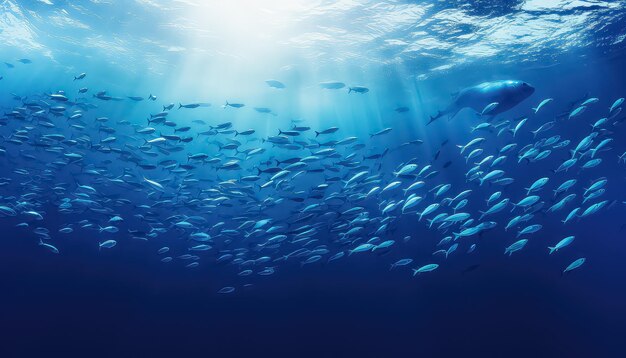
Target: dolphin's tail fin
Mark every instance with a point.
(435, 117)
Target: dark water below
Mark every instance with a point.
(110, 306)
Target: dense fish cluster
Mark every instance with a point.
(305, 195)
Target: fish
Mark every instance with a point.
(471, 143)
(108, 244)
(577, 112)
(541, 104)
(561, 244)
(188, 105)
(531, 229)
(537, 185)
(226, 290)
(574, 265)
(618, 102)
(573, 214)
(233, 105)
(332, 85)
(516, 246)
(495, 209)
(275, 84)
(401, 262)
(565, 186)
(425, 268)
(264, 110)
(358, 89)
(326, 131)
(50, 247)
(489, 108)
(406, 169)
(381, 132)
(519, 125)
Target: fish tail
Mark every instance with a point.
(180, 105)
(316, 134)
(552, 249)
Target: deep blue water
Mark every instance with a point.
(125, 302)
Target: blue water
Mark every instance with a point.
(124, 302)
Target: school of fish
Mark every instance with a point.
(349, 207)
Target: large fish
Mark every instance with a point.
(507, 94)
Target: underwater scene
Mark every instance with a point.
(291, 178)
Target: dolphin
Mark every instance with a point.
(506, 93)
